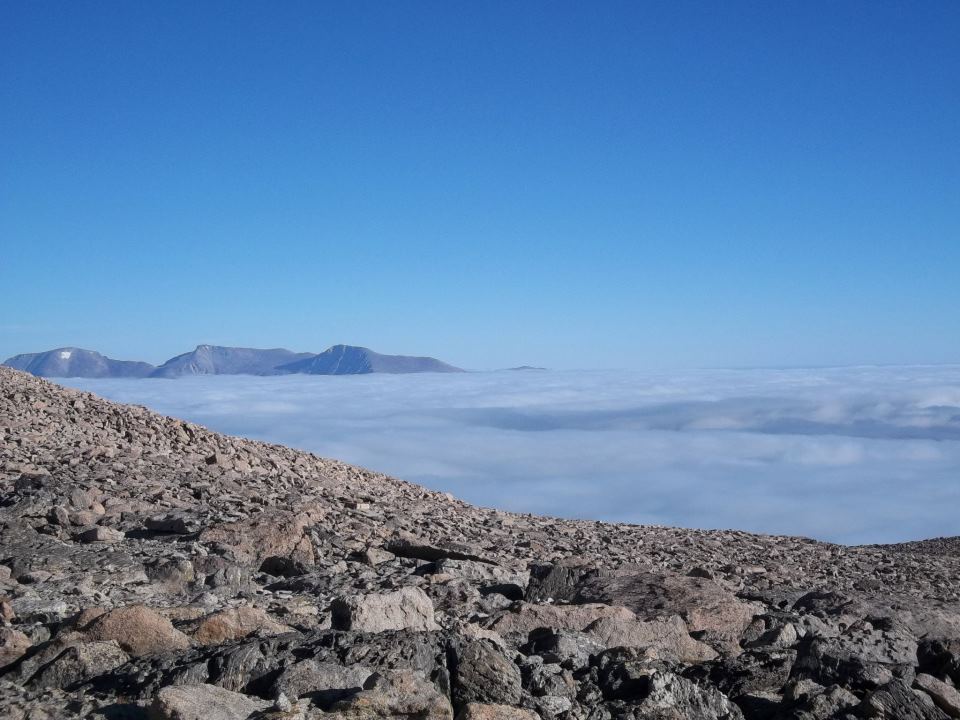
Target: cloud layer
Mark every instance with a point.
(851, 455)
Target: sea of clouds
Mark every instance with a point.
(853, 455)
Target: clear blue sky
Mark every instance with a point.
(580, 184)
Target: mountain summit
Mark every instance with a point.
(77, 362)
(352, 360)
(218, 360)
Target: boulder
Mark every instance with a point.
(685, 699)
(863, 657)
(138, 630)
(176, 523)
(13, 645)
(236, 623)
(270, 533)
(322, 682)
(711, 611)
(666, 638)
(946, 697)
(403, 544)
(609, 626)
(483, 573)
(203, 702)
(569, 648)
(406, 609)
(482, 673)
(527, 617)
(99, 534)
(485, 711)
(897, 701)
(80, 662)
(940, 657)
(393, 694)
(558, 582)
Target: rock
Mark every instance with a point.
(175, 574)
(80, 662)
(666, 638)
(940, 657)
(864, 657)
(138, 630)
(481, 673)
(609, 626)
(13, 645)
(528, 617)
(374, 556)
(406, 609)
(99, 534)
(824, 703)
(203, 702)
(614, 621)
(283, 567)
(409, 546)
(236, 623)
(483, 573)
(666, 691)
(558, 582)
(270, 533)
(484, 711)
(896, 701)
(323, 682)
(395, 693)
(178, 523)
(708, 609)
(946, 697)
(568, 648)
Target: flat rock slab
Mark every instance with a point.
(406, 609)
(203, 702)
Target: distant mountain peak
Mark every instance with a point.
(77, 362)
(207, 359)
(356, 360)
(220, 360)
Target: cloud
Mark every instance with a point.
(850, 455)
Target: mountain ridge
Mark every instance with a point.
(224, 360)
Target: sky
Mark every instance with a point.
(852, 455)
(569, 184)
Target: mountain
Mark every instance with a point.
(77, 362)
(152, 568)
(218, 360)
(352, 360)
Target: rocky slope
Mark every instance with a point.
(150, 568)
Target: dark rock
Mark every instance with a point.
(483, 674)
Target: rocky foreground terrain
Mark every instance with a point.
(150, 568)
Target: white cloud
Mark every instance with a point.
(852, 455)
